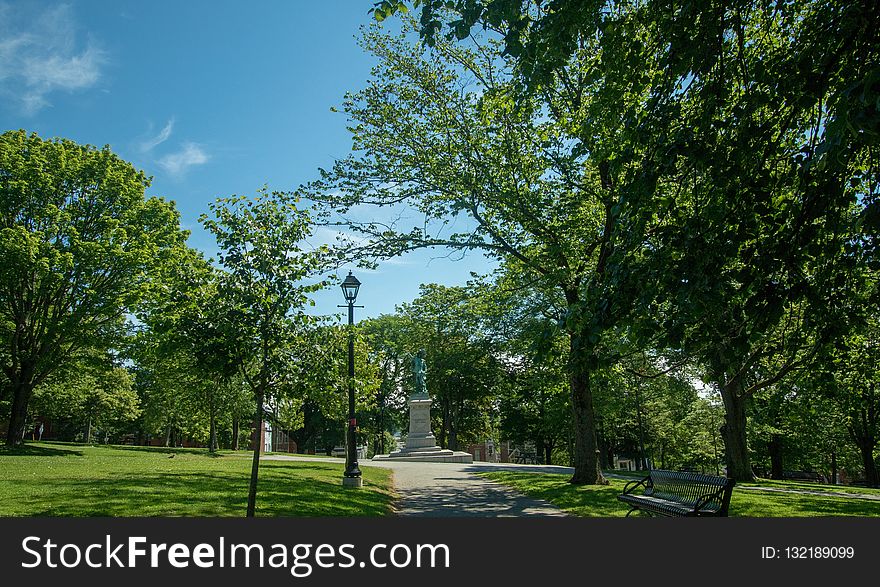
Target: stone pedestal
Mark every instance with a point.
(421, 446)
(420, 435)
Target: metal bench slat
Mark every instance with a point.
(675, 493)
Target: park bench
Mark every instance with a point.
(811, 476)
(677, 493)
(527, 458)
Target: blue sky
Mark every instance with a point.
(210, 98)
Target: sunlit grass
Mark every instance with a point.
(49, 479)
(601, 500)
(823, 487)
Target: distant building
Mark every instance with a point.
(485, 451)
(274, 439)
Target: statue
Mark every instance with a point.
(421, 446)
(420, 370)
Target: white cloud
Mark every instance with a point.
(40, 55)
(151, 143)
(324, 235)
(177, 163)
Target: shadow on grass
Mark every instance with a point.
(601, 500)
(165, 449)
(31, 450)
(759, 504)
(581, 500)
(282, 491)
(312, 466)
(820, 487)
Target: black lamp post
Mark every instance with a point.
(352, 475)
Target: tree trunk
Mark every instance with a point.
(235, 432)
(21, 396)
(866, 448)
(775, 448)
(834, 467)
(604, 450)
(548, 453)
(865, 435)
(88, 438)
(733, 431)
(643, 460)
(453, 432)
(255, 465)
(212, 436)
(586, 450)
(441, 438)
(379, 438)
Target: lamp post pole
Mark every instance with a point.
(352, 475)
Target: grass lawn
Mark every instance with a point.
(601, 501)
(55, 479)
(807, 486)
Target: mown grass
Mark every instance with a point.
(807, 486)
(601, 501)
(54, 479)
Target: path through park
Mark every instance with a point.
(455, 490)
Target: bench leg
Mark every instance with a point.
(641, 511)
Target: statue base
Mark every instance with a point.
(433, 455)
(421, 446)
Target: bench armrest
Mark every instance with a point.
(704, 499)
(635, 483)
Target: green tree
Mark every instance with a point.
(263, 293)
(817, 437)
(762, 126)
(186, 318)
(386, 339)
(78, 245)
(91, 392)
(533, 395)
(464, 369)
(168, 387)
(320, 384)
(540, 35)
(768, 186)
(533, 181)
(534, 405)
(855, 389)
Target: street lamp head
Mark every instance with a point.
(350, 288)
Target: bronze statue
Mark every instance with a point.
(420, 370)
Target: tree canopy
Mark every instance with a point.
(79, 245)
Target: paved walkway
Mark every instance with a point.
(454, 490)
